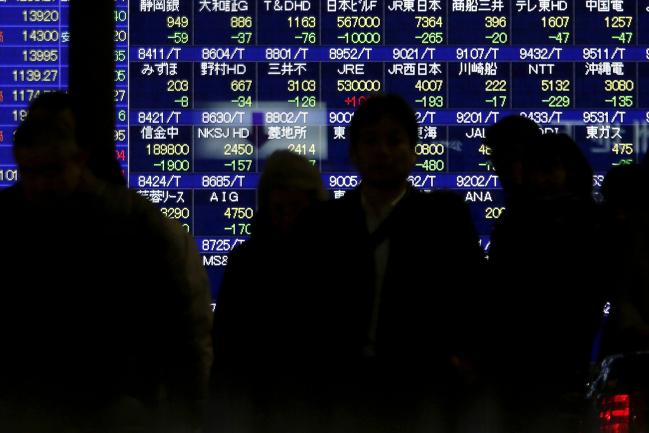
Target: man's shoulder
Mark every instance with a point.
(119, 199)
(11, 214)
(10, 194)
(127, 207)
(442, 216)
(444, 197)
(122, 202)
(328, 221)
(350, 202)
(436, 203)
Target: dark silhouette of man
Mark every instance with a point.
(247, 389)
(385, 297)
(509, 140)
(105, 317)
(626, 204)
(550, 296)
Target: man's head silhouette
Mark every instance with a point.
(50, 163)
(383, 135)
(509, 140)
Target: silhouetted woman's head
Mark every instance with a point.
(289, 184)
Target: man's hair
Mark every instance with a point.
(378, 106)
(52, 102)
(48, 120)
(509, 137)
(33, 133)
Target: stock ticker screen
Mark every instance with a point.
(207, 89)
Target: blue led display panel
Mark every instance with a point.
(207, 89)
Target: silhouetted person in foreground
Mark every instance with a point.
(626, 203)
(105, 320)
(550, 296)
(509, 140)
(251, 394)
(385, 298)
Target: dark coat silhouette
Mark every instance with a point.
(252, 389)
(425, 315)
(105, 311)
(432, 250)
